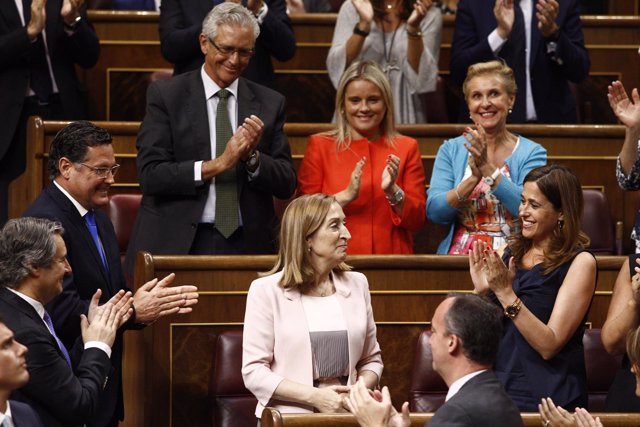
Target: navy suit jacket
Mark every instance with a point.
(61, 397)
(175, 134)
(23, 415)
(181, 24)
(81, 48)
(88, 275)
(481, 402)
(552, 97)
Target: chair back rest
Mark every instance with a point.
(597, 222)
(122, 210)
(601, 369)
(428, 390)
(233, 404)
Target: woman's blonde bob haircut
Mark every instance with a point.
(302, 218)
(369, 71)
(493, 68)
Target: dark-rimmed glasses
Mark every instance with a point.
(228, 50)
(103, 172)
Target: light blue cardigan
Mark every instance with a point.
(448, 171)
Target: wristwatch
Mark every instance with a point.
(490, 180)
(511, 311)
(358, 31)
(74, 24)
(253, 160)
(397, 197)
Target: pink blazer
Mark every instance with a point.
(276, 343)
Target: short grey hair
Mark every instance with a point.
(229, 13)
(26, 243)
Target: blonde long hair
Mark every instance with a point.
(371, 72)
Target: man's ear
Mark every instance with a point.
(204, 43)
(64, 166)
(453, 344)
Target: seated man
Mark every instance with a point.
(33, 263)
(466, 332)
(13, 375)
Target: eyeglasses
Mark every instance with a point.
(228, 50)
(103, 172)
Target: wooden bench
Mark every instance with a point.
(589, 150)
(273, 418)
(172, 367)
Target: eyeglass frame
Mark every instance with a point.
(229, 51)
(103, 172)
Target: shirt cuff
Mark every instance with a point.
(495, 41)
(100, 345)
(263, 13)
(197, 172)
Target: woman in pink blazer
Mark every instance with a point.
(309, 331)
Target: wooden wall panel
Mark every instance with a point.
(129, 40)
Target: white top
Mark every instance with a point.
(405, 83)
(5, 419)
(457, 384)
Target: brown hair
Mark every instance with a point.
(371, 72)
(497, 68)
(562, 188)
(301, 219)
(633, 345)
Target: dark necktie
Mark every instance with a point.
(90, 219)
(39, 69)
(63, 349)
(226, 185)
(519, 61)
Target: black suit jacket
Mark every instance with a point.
(81, 48)
(60, 396)
(181, 24)
(481, 402)
(553, 100)
(175, 134)
(87, 276)
(23, 415)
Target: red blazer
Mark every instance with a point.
(375, 228)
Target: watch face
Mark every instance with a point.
(512, 311)
(488, 180)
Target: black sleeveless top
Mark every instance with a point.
(526, 376)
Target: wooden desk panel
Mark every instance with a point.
(405, 291)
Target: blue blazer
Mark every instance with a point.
(549, 79)
(23, 415)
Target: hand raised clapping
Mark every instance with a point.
(390, 173)
(488, 272)
(626, 110)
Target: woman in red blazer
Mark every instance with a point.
(374, 173)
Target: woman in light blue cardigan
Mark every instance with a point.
(477, 177)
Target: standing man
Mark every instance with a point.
(41, 42)
(83, 167)
(181, 24)
(13, 375)
(465, 334)
(33, 263)
(212, 152)
(541, 40)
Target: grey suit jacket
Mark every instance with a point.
(173, 136)
(481, 402)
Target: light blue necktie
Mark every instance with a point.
(63, 349)
(90, 219)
